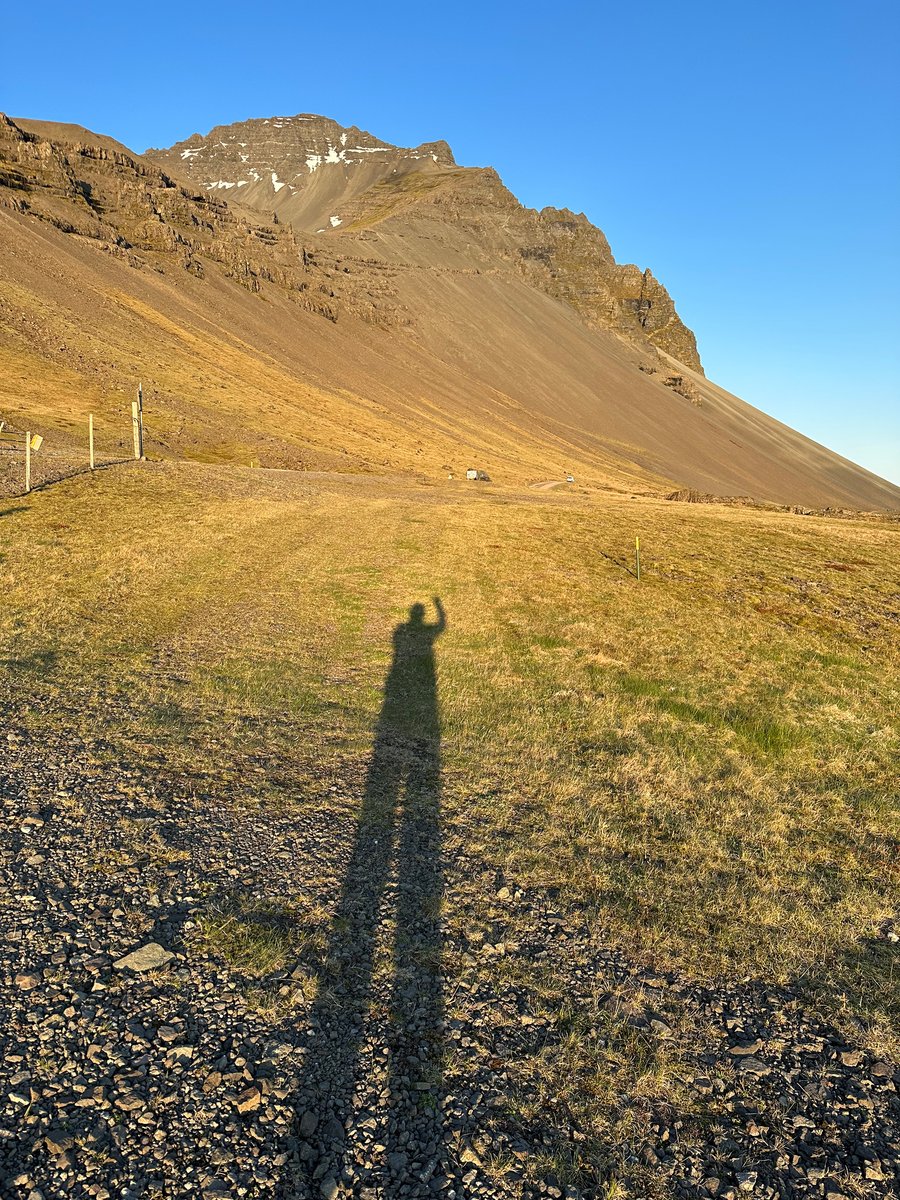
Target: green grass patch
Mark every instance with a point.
(257, 937)
(754, 726)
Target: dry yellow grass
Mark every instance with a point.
(705, 757)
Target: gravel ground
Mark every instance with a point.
(388, 1057)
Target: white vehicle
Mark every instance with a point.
(570, 479)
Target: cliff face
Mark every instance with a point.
(131, 209)
(334, 181)
(605, 294)
(134, 211)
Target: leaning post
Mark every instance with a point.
(135, 429)
(28, 461)
(91, 438)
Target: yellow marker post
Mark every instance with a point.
(637, 555)
(136, 429)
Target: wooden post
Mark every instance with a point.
(135, 429)
(637, 555)
(91, 438)
(141, 418)
(28, 462)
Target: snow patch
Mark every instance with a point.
(333, 155)
(277, 183)
(219, 183)
(335, 221)
(191, 153)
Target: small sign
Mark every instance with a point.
(36, 441)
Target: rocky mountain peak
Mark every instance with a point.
(265, 161)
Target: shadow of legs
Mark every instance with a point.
(395, 855)
(415, 1120)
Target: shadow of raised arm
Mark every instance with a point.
(441, 623)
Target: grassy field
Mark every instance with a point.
(704, 758)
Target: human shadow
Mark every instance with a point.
(372, 1068)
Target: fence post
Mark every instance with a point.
(28, 461)
(637, 556)
(91, 438)
(135, 429)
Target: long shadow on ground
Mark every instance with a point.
(385, 1094)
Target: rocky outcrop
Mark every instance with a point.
(583, 271)
(134, 210)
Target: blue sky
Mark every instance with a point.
(747, 153)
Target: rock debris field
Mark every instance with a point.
(395, 1043)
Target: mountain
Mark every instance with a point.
(320, 177)
(300, 294)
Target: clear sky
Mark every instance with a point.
(748, 153)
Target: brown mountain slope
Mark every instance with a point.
(416, 336)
